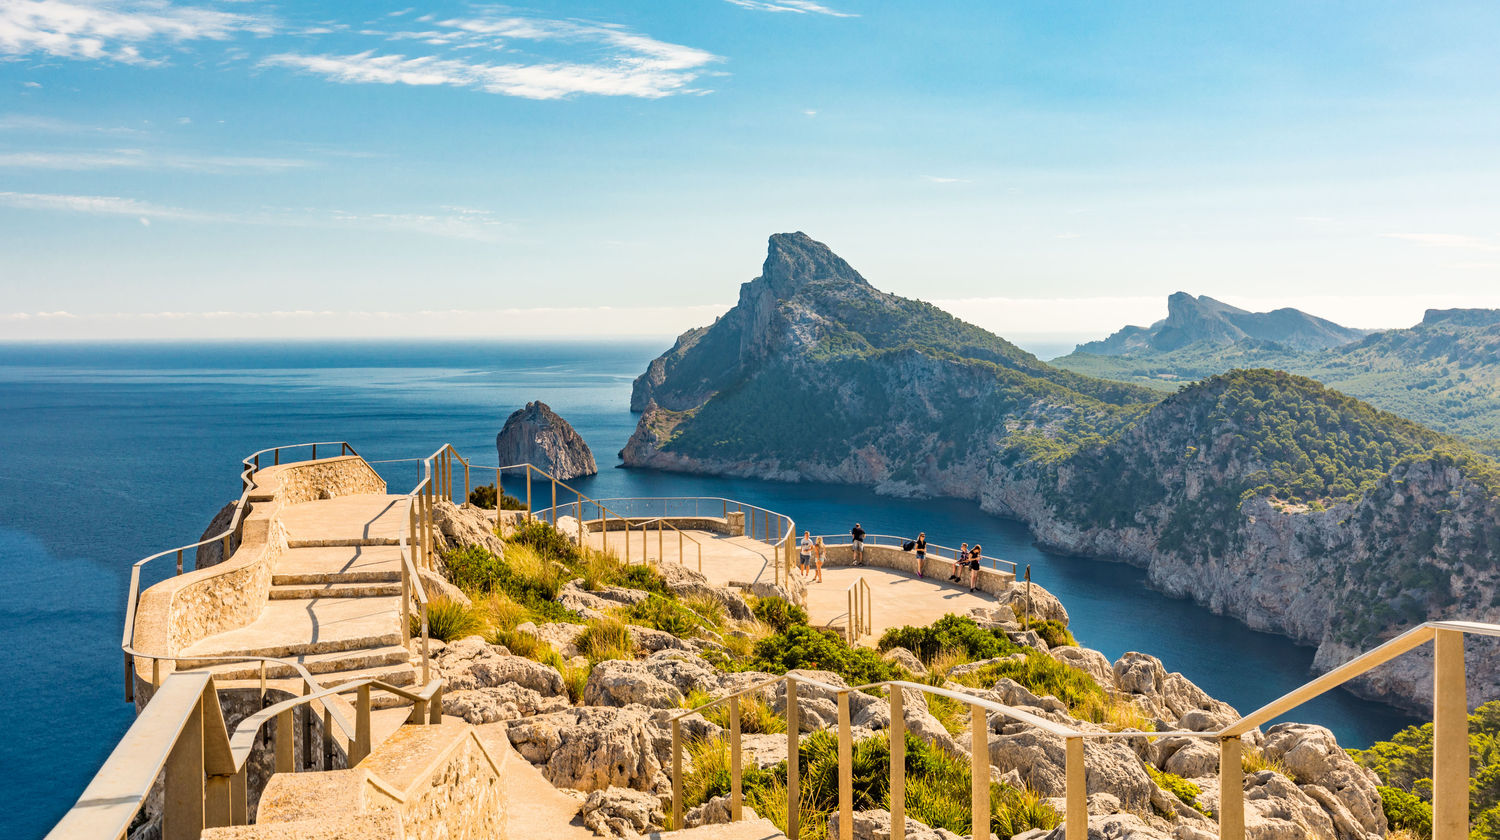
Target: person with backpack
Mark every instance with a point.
(858, 544)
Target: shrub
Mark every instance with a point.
(1407, 811)
(708, 608)
(575, 677)
(756, 718)
(1042, 675)
(605, 638)
(518, 643)
(502, 611)
(951, 632)
(1054, 633)
(483, 496)
(1177, 786)
(448, 620)
(780, 614)
(473, 568)
(663, 614)
(642, 577)
(509, 502)
(547, 540)
(805, 647)
(1253, 760)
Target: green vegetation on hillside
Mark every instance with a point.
(1404, 765)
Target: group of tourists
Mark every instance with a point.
(812, 553)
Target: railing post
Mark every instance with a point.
(426, 656)
(315, 452)
(307, 729)
(1231, 789)
(418, 712)
(627, 539)
(277, 461)
(327, 737)
(554, 503)
(529, 516)
(224, 556)
(435, 708)
(846, 771)
(239, 797)
(979, 771)
(898, 763)
(285, 745)
(179, 561)
(736, 793)
(129, 678)
(1076, 818)
(361, 746)
(676, 774)
(793, 761)
(217, 810)
(578, 509)
(1450, 738)
(182, 799)
(467, 491)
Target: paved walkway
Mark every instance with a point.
(897, 598)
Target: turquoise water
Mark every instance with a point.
(110, 452)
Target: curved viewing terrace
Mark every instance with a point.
(300, 645)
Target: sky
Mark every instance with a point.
(1050, 170)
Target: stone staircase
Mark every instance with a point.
(334, 604)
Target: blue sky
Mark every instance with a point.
(1044, 169)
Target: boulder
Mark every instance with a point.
(1190, 758)
(436, 586)
(212, 553)
(471, 663)
(455, 527)
(1044, 605)
(590, 748)
(876, 825)
(906, 659)
(1039, 757)
(621, 683)
(501, 702)
(995, 618)
(685, 671)
(1014, 694)
(715, 812)
(1105, 827)
(562, 637)
(1326, 773)
(685, 582)
(1091, 662)
(621, 812)
(536, 435)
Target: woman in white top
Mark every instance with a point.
(820, 551)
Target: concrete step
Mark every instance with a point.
(317, 664)
(300, 626)
(338, 564)
(283, 592)
(342, 542)
(347, 521)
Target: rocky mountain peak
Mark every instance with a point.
(1463, 317)
(795, 259)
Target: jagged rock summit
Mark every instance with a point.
(1203, 320)
(537, 435)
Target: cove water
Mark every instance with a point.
(111, 452)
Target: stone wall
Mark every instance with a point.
(327, 478)
(991, 581)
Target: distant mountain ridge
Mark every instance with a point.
(1203, 320)
(1443, 372)
(1260, 494)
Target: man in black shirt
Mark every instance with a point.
(858, 544)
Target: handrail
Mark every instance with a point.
(182, 736)
(1450, 739)
(874, 540)
(861, 604)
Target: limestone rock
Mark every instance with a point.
(212, 553)
(1089, 661)
(1044, 605)
(906, 659)
(1109, 766)
(537, 435)
(1108, 827)
(562, 637)
(471, 663)
(591, 748)
(620, 683)
(876, 825)
(686, 582)
(460, 526)
(621, 812)
(502, 702)
(436, 586)
(1326, 773)
(715, 812)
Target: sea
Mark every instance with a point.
(113, 451)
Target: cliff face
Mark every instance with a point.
(1259, 494)
(537, 435)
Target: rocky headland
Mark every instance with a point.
(1259, 494)
(537, 435)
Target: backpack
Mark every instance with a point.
(908, 545)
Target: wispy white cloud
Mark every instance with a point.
(1447, 240)
(450, 223)
(626, 63)
(801, 7)
(941, 179)
(142, 159)
(113, 30)
(34, 124)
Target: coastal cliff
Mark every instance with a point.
(1261, 495)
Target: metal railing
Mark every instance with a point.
(181, 735)
(860, 606)
(1450, 792)
(934, 551)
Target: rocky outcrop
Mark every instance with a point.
(537, 435)
(212, 553)
(621, 812)
(1203, 321)
(458, 526)
(485, 683)
(591, 748)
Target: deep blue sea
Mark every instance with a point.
(110, 452)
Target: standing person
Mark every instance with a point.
(960, 560)
(858, 544)
(974, 556)
(820, 551)
(921, 552)
(804, 554)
